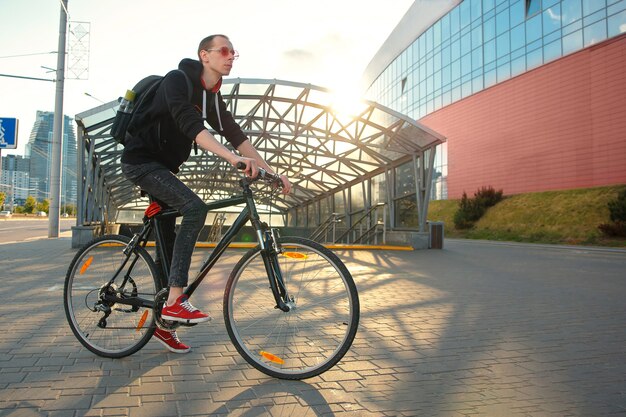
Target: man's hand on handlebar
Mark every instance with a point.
(248, 165)
(286, 184)
(275, 179)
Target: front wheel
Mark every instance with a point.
(321, 324)
(106, 328)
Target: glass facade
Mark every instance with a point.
(480, 43)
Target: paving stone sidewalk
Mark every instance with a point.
(475, 329)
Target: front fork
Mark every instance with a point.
(270, 251)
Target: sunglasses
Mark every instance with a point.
(225, 51)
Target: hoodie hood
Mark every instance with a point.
(193, 69)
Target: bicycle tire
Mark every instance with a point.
(309, 339)
(127, 329)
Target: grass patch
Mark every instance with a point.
(567, 217)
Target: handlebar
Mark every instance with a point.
(263, 175)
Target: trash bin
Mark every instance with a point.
(435, 230)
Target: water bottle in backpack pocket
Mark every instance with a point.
(122, 117)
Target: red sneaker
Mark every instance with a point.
(182, 310)
(170, 340)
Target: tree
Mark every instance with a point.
(70, 209)
(3, 198)
(44, 205)
(30, 204)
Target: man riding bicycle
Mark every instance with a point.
(161, 139)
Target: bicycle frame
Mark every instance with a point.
(268, 240)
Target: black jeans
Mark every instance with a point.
(166, 188)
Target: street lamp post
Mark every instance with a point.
(57, 130)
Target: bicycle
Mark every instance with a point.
(290, 305)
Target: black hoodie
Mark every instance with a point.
(165, 132)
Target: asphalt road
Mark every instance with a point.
(18, 229)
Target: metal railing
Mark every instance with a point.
(328, 226)
(368, 228)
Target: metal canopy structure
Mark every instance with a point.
(301, 130)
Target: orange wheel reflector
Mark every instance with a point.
(295, 255)
(142, 320)
(271, 357)
(86, 265)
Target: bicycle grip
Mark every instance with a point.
(240, 165)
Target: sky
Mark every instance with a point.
(323, 42)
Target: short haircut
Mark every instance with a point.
(207, 42)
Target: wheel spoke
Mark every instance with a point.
(126, 329)
(306, 339)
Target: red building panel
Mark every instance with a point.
(559, 126)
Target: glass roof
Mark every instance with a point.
(297, 128)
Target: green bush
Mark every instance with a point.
(488, 197)
(615, 229)
(617, 214)
(617, 208)
(472, 209)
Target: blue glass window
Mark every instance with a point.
(518, 65)
(518, 37)
(488, 5)
(594, 33)
(490, 78)
(445, 27)
(599, 15)
(445, 56)
(466, 42)
(476, 9)
(477, 37)
(532, 7)
(552, 19)
(504, 72)
(455, 69)
(572, 11)
(477, 84)
(490, 51)
(466, 64)
(489, 29)
(552, 51)
(592, 6)
(617, 7)
(518, 12)
(477, 58)
(502, 22)
(533, 29)
(445, 75)
(464, 9)
(617, 24)
(552, 37)
(503, 45)
(455, 50)
(454, 20)
(534, 58)
(572, 42)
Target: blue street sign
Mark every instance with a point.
(8, 133)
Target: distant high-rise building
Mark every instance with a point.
(14, 180)
(39, 149)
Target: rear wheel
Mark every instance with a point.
(321, 324)
(106, 328)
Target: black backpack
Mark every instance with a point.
(144, 93)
